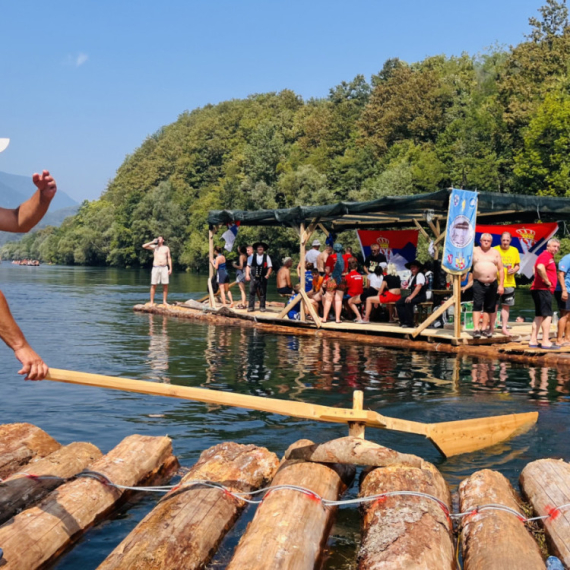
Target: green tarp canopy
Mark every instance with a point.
(400, 211)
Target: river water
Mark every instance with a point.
(82, 319)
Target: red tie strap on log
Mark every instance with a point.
(492, 539)
(22, 443)
(38, 535)
(290, 529)
(403, 531)
(27, 486)
(185, 529)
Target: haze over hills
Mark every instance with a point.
(15, 189)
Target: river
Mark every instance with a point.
(82, 319)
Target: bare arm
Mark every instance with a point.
(33, 367)
(150, 244)
(169, 261)
(270, 271)
(501, 271)
(23, 218)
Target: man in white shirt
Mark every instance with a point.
(258, 270)
(312, 254)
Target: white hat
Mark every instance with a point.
(316, 243)
(4, 144)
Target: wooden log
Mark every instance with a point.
(546, 485)
(404, 531)
(38, 535)
(290, 528)
(352, 450)
(493, 539)
(187, 526)
(20, 491)
(22, 443)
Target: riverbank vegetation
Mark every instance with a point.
(499, 122)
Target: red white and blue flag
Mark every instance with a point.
(229, 236)
(529, 239)
(399, 246)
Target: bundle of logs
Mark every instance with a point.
(50, 495)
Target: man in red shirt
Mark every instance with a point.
(541, 290)
(354, 286)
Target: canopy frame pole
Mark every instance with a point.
(303, 236)
(289, 306)
(436, 314)
(310, 308)
(211, 232)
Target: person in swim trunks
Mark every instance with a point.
(284, 286)
(488, 279)
(161, 267)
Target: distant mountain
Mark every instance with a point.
(15, 189)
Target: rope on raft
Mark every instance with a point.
(553, 512)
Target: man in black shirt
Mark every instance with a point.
(374, 259)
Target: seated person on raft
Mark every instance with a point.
(284, 286)
(389, 292)
(417, 285)
(354, 286)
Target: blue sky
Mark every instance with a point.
(84, 82)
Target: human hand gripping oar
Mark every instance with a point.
(451, 438)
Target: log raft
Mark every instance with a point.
(35, 537)
(495, 539)
(22, 443)
(20, 491)
(187, 526)
(290, 529)
(403, 531)
(546, 485)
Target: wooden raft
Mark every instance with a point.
(187, 526)
(495, 539)
(38, 535)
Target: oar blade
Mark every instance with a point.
(465, 436)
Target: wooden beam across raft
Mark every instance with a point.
(290, 528)
(21, 443)
(451, 438)
(493, 539)
(37, 536)
(20, 491)
(162, 540)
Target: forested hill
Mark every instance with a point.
(495, 122)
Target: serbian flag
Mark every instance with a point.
(529, 239)
(229, 236)
(399, 246)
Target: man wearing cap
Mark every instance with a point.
(312, 255)
(417, 286)
(21, 220)
(258, 270)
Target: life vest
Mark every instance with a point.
(258, 271)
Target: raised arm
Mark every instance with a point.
(150, 244)
(23, 218)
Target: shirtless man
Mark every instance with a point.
(161, 267)
(284, 286)
(19, 220)
(487, 265)
(322, 259)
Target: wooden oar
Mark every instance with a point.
(451, 438)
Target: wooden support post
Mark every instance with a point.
(435, 315)
(206, 297)
(19, 491)
(457, 310)
(492, 538)
(545, 483)
(324, 230)
(289, 530)
(302, 266)
(211, 272)
(289, 306)
(422, 231)
(35, 537)
(185, 529)
(22, 443)
(406, 531)
(310, 308)
(356, 429)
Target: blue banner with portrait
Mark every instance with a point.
(460, 232)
